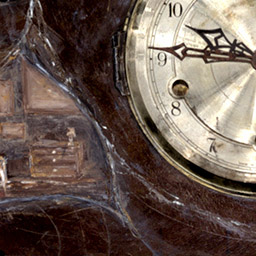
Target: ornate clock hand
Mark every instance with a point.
(215, 51)
(216, 44)
(181, 51)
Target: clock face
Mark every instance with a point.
(191, 70)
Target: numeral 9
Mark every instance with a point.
(162, 59)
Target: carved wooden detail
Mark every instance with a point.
(12, 131)
(43, 96)
(56, 160)
(6, 98)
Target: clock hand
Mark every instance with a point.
(215, 51)
(181, 51)
(220, 41)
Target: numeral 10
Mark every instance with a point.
(175, 9)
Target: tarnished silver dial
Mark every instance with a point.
(191, 70)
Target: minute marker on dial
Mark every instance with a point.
(215, 51)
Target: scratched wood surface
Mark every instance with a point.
(126, 199)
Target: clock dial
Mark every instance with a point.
(191, 70)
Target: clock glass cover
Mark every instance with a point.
(191, 71)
